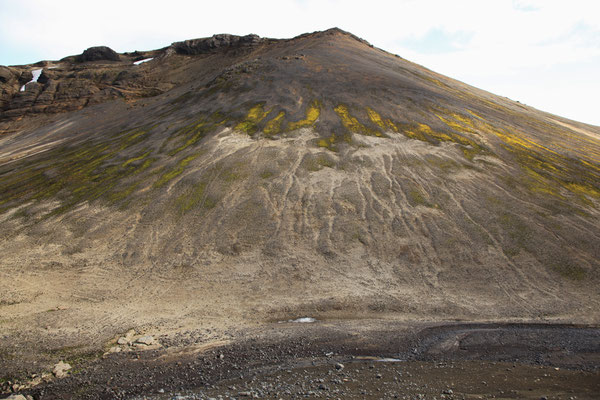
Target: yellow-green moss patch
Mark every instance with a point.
(312, 115)
(353, 124)
(376, 118)
(250, 124)
(273, 127)
(178, 170)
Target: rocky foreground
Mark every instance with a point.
(335, 359)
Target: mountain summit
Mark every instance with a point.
(237, 180)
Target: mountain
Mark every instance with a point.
(231, 181)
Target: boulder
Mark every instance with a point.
(145, 340)
(16, 397)
(61, 369)
(98, 53)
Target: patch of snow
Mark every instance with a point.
(303, 320)
(36, 75)
(143, 61)
(390, 360)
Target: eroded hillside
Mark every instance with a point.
(237, 180)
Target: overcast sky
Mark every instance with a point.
(544, 53)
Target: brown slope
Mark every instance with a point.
(273, 178)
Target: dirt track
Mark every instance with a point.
(465, 350)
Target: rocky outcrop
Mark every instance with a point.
(207, 45)
(98, 53)
(9, 84)
(69, 86)
(5, 74)
(100, 74)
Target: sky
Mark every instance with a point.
(543, 53)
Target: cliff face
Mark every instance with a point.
(242, 178)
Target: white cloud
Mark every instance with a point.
(497, 45)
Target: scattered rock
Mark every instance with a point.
(115, 349)
(146, 340)
(60, 369)
(447, 391)
(16, 397)
(122, 341)
(35, 380)
(339, 366)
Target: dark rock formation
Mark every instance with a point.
(25, 77)
(9, 84)
(5, 74)
(45, 77)
(98, 53)
(206, 45)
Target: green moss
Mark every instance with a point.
(249, 127)
(178, 170)
(567, 269)
(209, 187)
(312, 115)
(231, 175)
(545, 172)
(273, 127)
(117, 196)
(255, 115)
(75, 174)
(192, 135)
(323, 143)
(422, 132)
(519, 235)
(266, 174)
(135, 159)
(189, 200)
(377, 120)
(352, 124)
(317, 162)
(416, 196)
